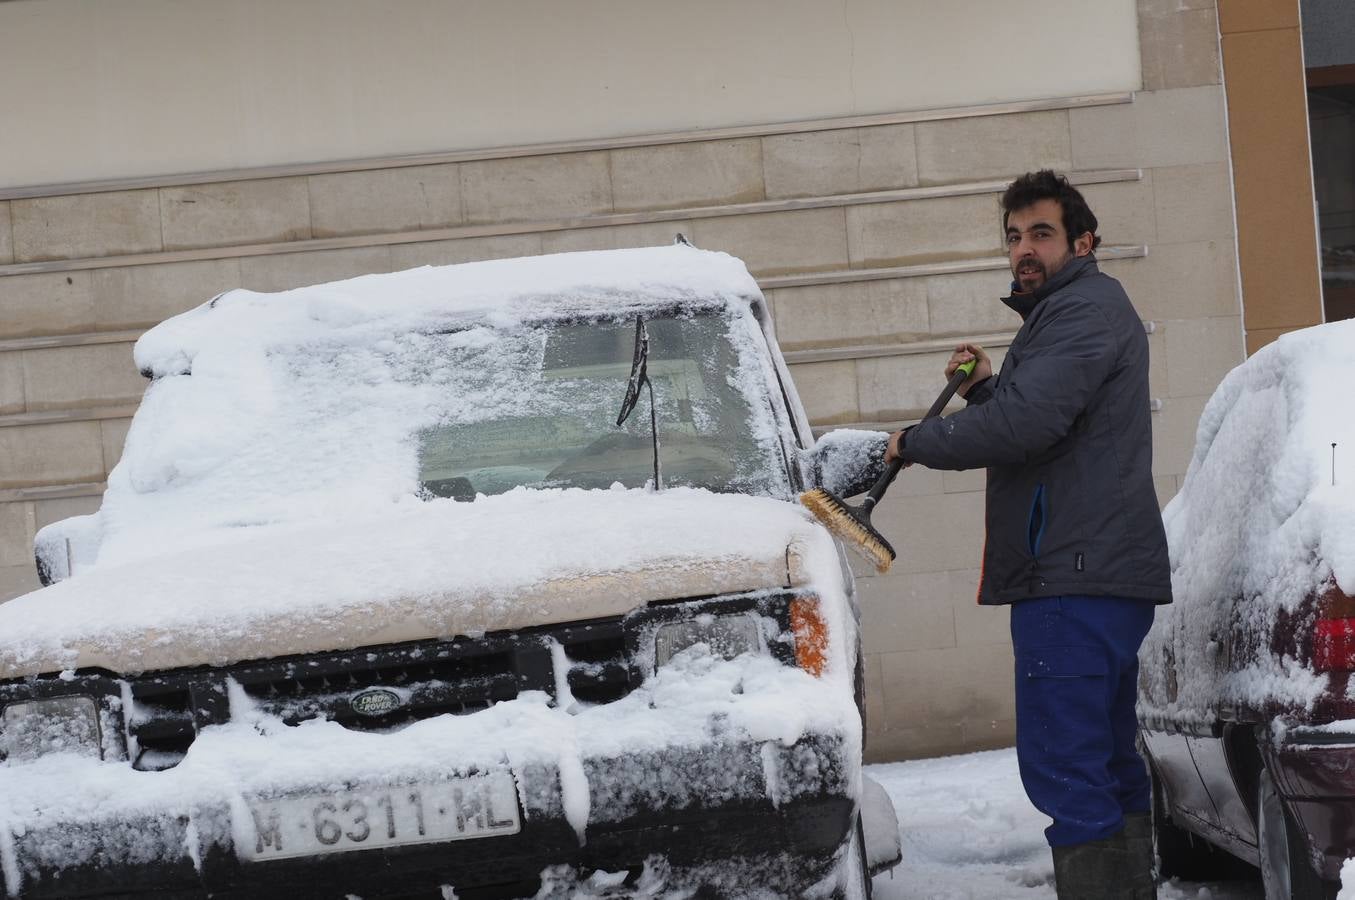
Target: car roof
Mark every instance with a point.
(433, 298)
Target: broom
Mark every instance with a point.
(852, 523)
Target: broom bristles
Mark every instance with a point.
(841, 520)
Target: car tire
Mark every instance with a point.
(1179, 853)
(1286, 872)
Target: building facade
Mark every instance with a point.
(158, 152)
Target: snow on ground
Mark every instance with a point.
(969, 833)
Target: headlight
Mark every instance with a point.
(59, 725)
(727, 636)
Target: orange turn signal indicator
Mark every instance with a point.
(811, 635)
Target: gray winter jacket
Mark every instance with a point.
(1065, 433)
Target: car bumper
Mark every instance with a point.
(783, 810)
(1316, 777)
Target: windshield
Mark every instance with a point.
(536, 406)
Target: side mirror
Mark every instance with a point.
(62, 547)
(847, 461)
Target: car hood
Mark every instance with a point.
(421, 570)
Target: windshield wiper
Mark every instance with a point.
(639, 376)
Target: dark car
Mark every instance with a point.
(1246, 707)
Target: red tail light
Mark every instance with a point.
(1334, 645)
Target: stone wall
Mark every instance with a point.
(876, 240)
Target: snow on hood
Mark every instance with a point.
(1263, 519)
(432, 297)
(422, 570)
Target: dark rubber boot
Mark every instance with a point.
(1138, 835)
(1096, 870)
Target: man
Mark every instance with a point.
(1075, 542)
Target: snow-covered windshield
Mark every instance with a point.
(536, 406)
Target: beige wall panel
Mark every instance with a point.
(906, 612)
(236, 212)
(611, 237)
(86, 225)
(961, 686)
(875, 701)
(285, 271)
(48, 511)
(536, 188)
(967, 480)
(893, 744)
(882, 234)
(446, 253)
(992, 146)
(705, 173)
(1174, 428)
(994, 734)
(860, 312)
(385, 200)
(781, 242)
(17, 580)
(146, 87)
(17, 526)
(1276, 239)
(1157, 363)
(1179, 281)
(975, 624)
(827, 390)
(1200, 352)
(61, 453)
(1165, 487)
(76, 377)
(112, 437)
(970, 303)
(911, 527)
(1124, 210)
(47, 303)
(1180, 127)
(901, 387)
(138, 296)
(1180, 45)
(11, 383)
(1256, 15)
(1193, 203)
(6, 234)
(845, 161)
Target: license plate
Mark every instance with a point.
(370, 817)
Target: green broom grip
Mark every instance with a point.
(957, 378)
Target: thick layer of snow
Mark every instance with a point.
(969, 833)
(431, 298)
(1347, 881)
(422, 569)
(1263, 519)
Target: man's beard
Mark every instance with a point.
(1031, 270)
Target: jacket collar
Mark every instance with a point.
(1025, 304)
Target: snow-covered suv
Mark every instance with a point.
(383, 601)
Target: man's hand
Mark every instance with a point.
(893, 447)
(963, 354)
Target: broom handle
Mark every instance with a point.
(957, 378)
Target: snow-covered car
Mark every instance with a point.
(382, 600)
(1246, 701)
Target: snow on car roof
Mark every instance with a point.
(431, 297)
(1266, 515)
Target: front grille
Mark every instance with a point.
(414, 681)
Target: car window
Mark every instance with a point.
(537, 407)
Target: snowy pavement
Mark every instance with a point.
(969, 833)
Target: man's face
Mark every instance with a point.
(1037, 246)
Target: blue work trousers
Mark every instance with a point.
(1076, 683)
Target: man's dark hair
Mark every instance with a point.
(1045, 184)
